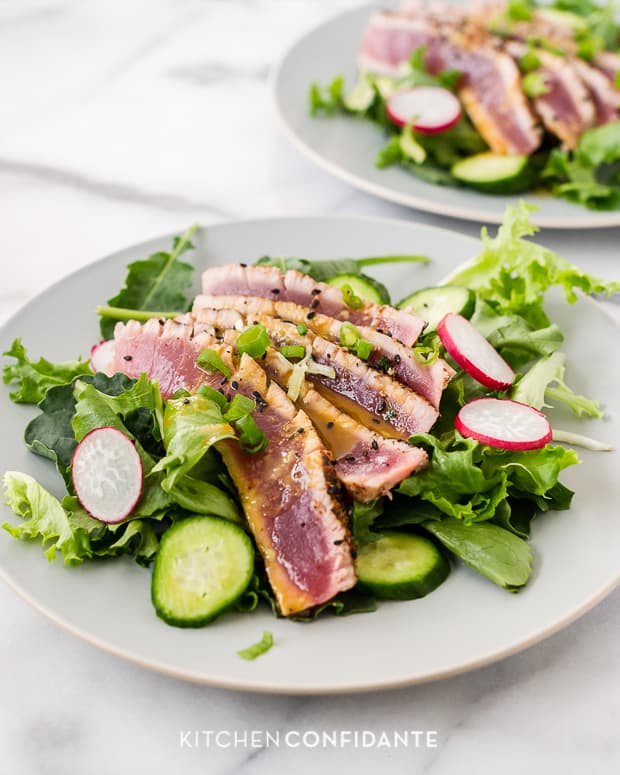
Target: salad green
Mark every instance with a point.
(473, 501)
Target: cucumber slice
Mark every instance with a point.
(203, 566)
(367, 288)
(400, 566)
(433, 304)
(494, 173)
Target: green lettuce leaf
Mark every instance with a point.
(469, 481)
(498, 554)
(96, 408)
(545, 381)
(513, 273)
(34, 379)
(192, 425)
(516, 341)
(154, 287)
(44, 519)
(50, 434)
(67, 528)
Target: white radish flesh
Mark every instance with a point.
(428, 109)
(107, 474)
(473, 353)
(504, 424)
(102, 356)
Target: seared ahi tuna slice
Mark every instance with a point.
(291, 498)
(379, 395)
(605, 97)
(608, 62)
(166, 351)
(299, 525)
(367, 464)
(267, 282)
(389, 40)
(490, 81)
(566, 109)
(388, 354)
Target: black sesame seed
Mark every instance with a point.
(397, 358)
(301, 430)
(338, 541)
(376, 422)
(374, 444)
(128, 357)
(275, 291)
(186, 400)
(315, 303)
(350, 458)
(310, 315)
(161, 321)
(243, 265)
(315, 291)
(382, 406)
(234, 384)
(330, 424)
(333, 489)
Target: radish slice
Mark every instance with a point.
(473, 353)
(429, 109)
(107, 474)
(102, 356)
(504, 424)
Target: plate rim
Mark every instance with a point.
(291, 689)
(605, 219)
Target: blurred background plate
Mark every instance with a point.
(346, 147)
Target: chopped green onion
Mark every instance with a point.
(534, 85)
(349, 297)
(182, 393)
(302, 328)
(296, 382)
(293, 351)
(321, 369)
(429, 353)
(349, 335)
(529, 61)
(519, 10)
(213, 395)
(239, 407)
(257, 649)
(251, 439)
(254, 341)
(363, 348)
(209, 360)
(416, 60)
(617, 79)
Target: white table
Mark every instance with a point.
(124, 120)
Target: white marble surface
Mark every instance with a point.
(129, 118)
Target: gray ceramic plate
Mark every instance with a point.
(466, 623)
(347, 147)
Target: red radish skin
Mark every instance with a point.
(102, 356)
(107, 474)
(473, 353)
(504, 424)
(428, 109)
